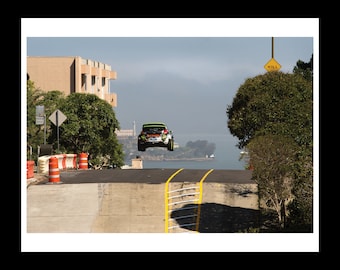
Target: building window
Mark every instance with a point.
(98, 84)
(83, 82)
(93, 83)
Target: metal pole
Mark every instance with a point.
(272, 47)
(57, 124)
(44, 128)
(31, 152)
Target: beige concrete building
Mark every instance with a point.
(72, 75)
(125, 133)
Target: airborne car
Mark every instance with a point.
(155, 134)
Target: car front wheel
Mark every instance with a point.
(141, 148)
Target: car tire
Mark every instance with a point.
(171, 145)
(141, 148)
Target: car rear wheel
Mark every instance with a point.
(171, 145)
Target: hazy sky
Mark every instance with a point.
(186, 81)
(184, 72)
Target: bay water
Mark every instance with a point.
(227, 155)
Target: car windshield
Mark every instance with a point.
(153, 128)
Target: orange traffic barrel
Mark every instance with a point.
(53, 173)
(83, 165)
(30, 169)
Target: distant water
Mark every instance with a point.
(226, 155)
(209, 164)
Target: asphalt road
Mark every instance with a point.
(153, 176)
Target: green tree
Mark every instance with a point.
(33, 132)
(281, 104)
(274, 103)
(90, 127)
(274, 158)
(301, 209)
(304, 69)
(36, 97)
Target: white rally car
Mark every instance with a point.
(155, 134)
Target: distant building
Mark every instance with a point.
(72, 75)
(124, 133)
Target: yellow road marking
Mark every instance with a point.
(200, 199)
(166, 198)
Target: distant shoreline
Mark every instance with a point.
(180, 159)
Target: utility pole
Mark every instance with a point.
(134, 128)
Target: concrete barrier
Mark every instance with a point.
(133, 208)
(43, 164)
(65, 161)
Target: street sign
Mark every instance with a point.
(272, 65)
(57, 118)
(40, 115)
